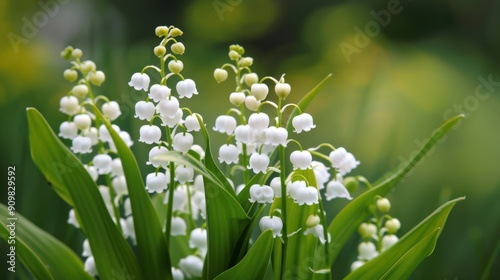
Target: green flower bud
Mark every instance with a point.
(178, 48)
(76, 53)
(383, 205)
(80, 91)
(367, 230)
(160, 51)
(70, 75)
(220, 75)
(66, 53)
(97, 78)
(312, 221)
(161, 31)
(245, 62)
(250, 79)
(351, 184)
(282, 90)
(88, 66)
(237, 48)
(175, 66)
(174, 32)
(234, 55)
(392, 225)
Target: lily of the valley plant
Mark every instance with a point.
(252, 207)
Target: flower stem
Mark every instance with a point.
(283, 194)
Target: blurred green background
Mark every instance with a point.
(393, 83)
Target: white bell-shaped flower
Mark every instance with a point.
(104, 133)
(139, 81)
(367, 251)
(129, 230)
(116, 167)
(225, 124)
(153, 157)
(335, 189)
(184, 174)
(180, 199)
(68, 130)
(191, 122)
(388, 240)
(186, 88)
(192, 266)
(252, 103)
(259, 91)
(92, 172)
(198, 239)
(258, 121)
(282, 90)
(82, 121)
(276, 136)
(276, 186)
(86, 252)
(243, 134)
(292, 187)
(80, 91)
(159, 92)
(72, 219)
(261, 194)
(337, 156)
(321, 173)
(182, 142)
(172, 121)
(317, 231)
(103, 163)
(156, 182)
(90, 267)
(111, 110)
(93, 134)
(357, 264)
(259, 162)
(149, 134)
(274, 223)
(348, 164)
(126, 138)
(168, 107)
(301, 159)
(69, 105)
(237, 98)
(144, 110)
(303, 122)
(178, 226)
(228, 153)
(308, 195)
(199, 150)
(82, 145)
(251, 148)
(119, 184)
(177, 274)
(127, 207)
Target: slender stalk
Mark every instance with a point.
(171, 189)
(283, 194)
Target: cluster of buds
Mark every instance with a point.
(378, 235)
(89, 137)
(253, 139)
(168, 129)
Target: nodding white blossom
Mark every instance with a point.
(250, 147)
(243, 134)
(276, 186)
(356, 264)
(168, 107)
(252, 103)
(82, 121)
(282, 90)
(116, 167)
(198, 239)
(69, 105)
(228, 153)
(139, 81)
(144, 110)
(68, 130)
(129, 230)
(126, 138)
(111, 110)
(93, 134)
(276, 136)
(90, 267)
(192, 266)
(308, 195)
(80, 91)
(92, 172)
(82, 145)
(199, 150)
(159, 92)
(261, 194)
(149, 134)
(388, 240)
(292, 187)
(178, 226)
(274, 223)
(259, 91)
(335, 189)
(303, 122)
(177, 274)
(156, 182)
(119, 184)
(184, 174)
(343, 161)
(367, 251)
(321, 173)
(191, 122)
(182, 142)
(251, 78)
(259, 162)
(258, 121)
(301, 159)
(72, 219)
(317, 231)
(153, 157)
(180, 199)
(237, 98)
(225, 124)
(175, 120)
(103, 163)
(127, 207)
(104, 133)
(86, 252)
(186, 88)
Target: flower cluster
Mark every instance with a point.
(377, 235)
(92, 140)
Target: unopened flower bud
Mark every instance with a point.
(76, 53)
(174, 32)
(220, 75)
(87, 66)
(259, 90)
(383, 205)
(351, 184)
(80, 91)
(160, 51)
(175, 66)
(282, 90)
(367, 230)
(252, 103)
(237, 98)
(392, 225)
(70, 75)
(312, 221)
(251, 78)
(234, 55)
(178, 48)
(245, 62)
(66, 53)
(97, 78)
(237, 48)
(161, 31)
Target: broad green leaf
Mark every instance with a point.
(152, 247)
(43, 255)
(399, 261)
(350, 217)
(111, 251)
(255, 262)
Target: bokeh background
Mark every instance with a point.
(391, 86)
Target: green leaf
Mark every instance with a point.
(255, 262)
(43, 255)
(152, 247)
(399, 261)
(350, 217)
(111, 251)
